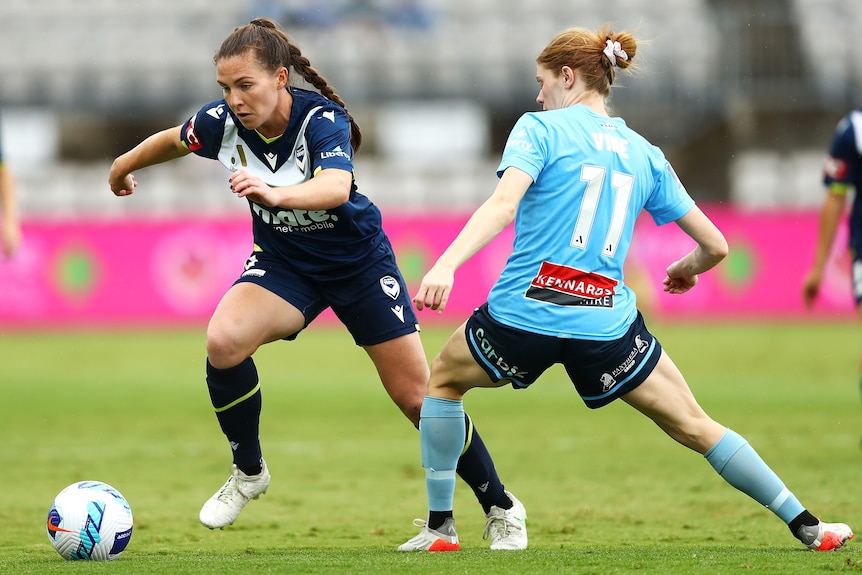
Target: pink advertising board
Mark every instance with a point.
(140, 272)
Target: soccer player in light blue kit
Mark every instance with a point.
(318, 243)
(574, 180)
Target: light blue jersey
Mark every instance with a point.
(592, 175)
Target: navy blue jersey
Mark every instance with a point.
(844, 166)
(316, 242)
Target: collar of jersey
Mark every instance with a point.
(268, 140)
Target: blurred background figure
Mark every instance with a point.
(841, 175)
(10, 226)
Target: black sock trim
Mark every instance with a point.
(436, 519)
(804, 518)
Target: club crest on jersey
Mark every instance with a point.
(390, 286)
(564, 285)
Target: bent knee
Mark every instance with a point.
(409, 401)
(224, 350)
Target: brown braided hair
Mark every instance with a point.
(275, 50)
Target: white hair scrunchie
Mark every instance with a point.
(613, 50)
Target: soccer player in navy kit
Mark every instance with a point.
(574, 180)
(318, 243)
(841, 173)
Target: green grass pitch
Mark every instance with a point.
(606, 492)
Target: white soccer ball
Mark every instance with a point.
(89, 520)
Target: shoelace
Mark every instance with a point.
(501, 525)
(223, 494)
(419, 522)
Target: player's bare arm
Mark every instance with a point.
(710, 250)
(484, 225)
(831, 213)
(160, 147)
(328, 189)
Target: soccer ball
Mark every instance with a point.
(89, 520)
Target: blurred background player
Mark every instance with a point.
(574, 180)
(841, 173)
(318, 243)
(10, 225)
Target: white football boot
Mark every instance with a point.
(223, 508)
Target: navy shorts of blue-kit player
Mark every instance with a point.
(372, 301)
(600, 370)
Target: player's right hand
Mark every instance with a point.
(434, 290)
(810, 288)
(123, 186)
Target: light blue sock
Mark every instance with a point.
(737, 462)
(441, 435)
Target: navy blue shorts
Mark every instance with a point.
(600, 370)
(373, 302)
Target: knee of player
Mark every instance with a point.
(410, 406)
(225, 349)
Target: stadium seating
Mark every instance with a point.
(147, 56)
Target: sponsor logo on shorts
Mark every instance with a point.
(398, 310)
(564, 285)
(608, 380)
(250, 270)
(487, 349)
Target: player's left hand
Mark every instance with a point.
(679, 285)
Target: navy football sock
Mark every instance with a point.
(235, 395)
(477, 469)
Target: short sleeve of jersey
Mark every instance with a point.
(669, 199)
(525, 148)
(328, 135)
(843, 153)
(203, 132)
